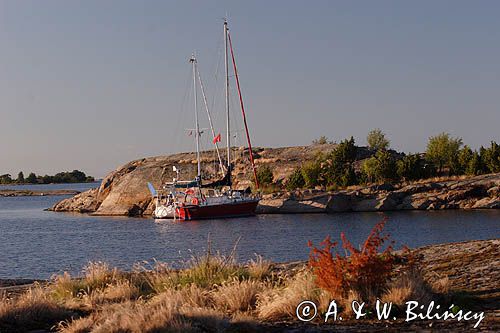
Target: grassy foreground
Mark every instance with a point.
(211, 294)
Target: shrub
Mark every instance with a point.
(348, 177)
(463, 159)
(380, 167)
(337, 166)
(20, 177)
(322, 140)
(295, 180)
(31, 178)
(369, 168)
(345, 152)
(376, 140)
(311, 172)
(265, 175)
(364, 271)
(411, 167)
(491, 157)
(442, 150)
(474, 167)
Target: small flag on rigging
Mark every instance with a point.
(217, 138)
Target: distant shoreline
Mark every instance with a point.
(30, 193)
(35, 184)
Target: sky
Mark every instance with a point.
(93, 84)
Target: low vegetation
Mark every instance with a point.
(364, 272)
(344, 166)
(74, 176)
(213, 293)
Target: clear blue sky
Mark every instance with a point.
(94, 84)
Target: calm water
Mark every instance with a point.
(44, 187)
(37, 244)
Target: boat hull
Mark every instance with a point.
(233, 209)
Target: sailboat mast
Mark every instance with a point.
(228, 133)
(243, 112)
(197, 126)
(210, 120)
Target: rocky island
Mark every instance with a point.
(30, 193)
(124, 191)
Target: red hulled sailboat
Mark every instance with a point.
(193, 199)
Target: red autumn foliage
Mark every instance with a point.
(365, 271)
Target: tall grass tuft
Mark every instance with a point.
(32, 310)
(96, 277)
(259, 268)
(237, 296)
(279, 303)
(407, 286)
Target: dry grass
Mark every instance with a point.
(259, 268)
(96, 276)
(441, 286)
(346, 303)
(33, 309)
(408, 286)
(212, 294)
(113, 293)
(277, 303)
(204, 272)
(166, 312)
(237, 296)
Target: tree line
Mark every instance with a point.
(75, 176)
(444, 156)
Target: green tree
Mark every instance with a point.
(337, 164)
(311, 172)
(442, 151)
(380, 167)
(5, 179)
(31, 178)
(264, 175)
(411, 167)
(47, 179)
(491, 157)
(376, 140)
(464, 158)
(295, 180)
(78, 176)
(349, 177)
(369, 169)
(474, 165)
(322, 140)
(345, 152)
(20, 177)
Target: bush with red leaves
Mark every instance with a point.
(365, 271)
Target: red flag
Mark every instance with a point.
(217, 138)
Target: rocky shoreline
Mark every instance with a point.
(124, 191)
(479, 192)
